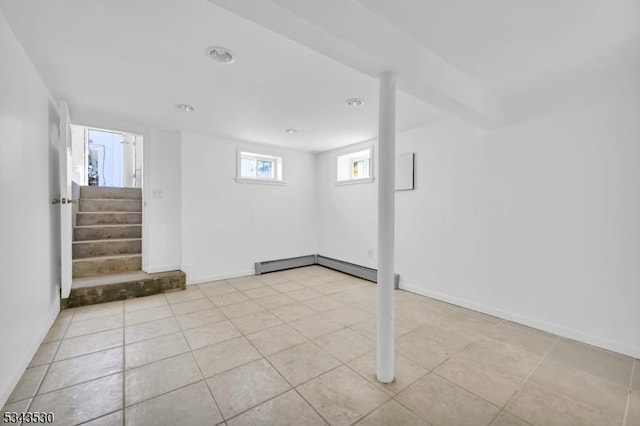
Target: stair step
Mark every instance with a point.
(106, 265)
(109, 205)
(112, 287)
(106, 232)
(108, 218)
(96, 248)
(109, 192)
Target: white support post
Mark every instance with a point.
(386, 221)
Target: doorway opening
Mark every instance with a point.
(106, 158)
(106, 181)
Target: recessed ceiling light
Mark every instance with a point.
(221, 54)
(185, 107)
(354, 102)
(291, 131)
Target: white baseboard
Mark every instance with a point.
(571, 333)
(198, 280)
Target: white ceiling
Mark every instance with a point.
(508, 46)
(139, 58)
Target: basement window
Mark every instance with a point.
(259, 168)
(355, 167)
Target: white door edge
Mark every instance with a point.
(66, 207)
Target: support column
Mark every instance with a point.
(386, 222)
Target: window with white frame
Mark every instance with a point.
(259, 168)
(355, 167)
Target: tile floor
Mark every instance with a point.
(298, 348)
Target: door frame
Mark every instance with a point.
(109, 126)
(65, 161)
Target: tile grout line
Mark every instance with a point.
(544, 357)
(501, 409)
(79, 383)
(146, 339)
(342, 364)
(276, 370)
(292, 387)
(428, 371)
(75, 384)
(48, 364)
(567, 397)
(108, 375)
(634, 370)
(506, 404)
(628, 404)
(262, 357)
(35, 394)
(71, 320)
(99, 417)
(204, 380)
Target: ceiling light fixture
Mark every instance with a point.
(185, 107)
(291, 131)
(221, 54)
(354, 102)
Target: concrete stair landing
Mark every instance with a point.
(107, 250)
(113, 287)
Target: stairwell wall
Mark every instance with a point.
(162, 183)
(29, 225)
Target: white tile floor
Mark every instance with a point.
(298, 348)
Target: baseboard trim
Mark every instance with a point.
(359, 271)
(562, 331)
(282, 264)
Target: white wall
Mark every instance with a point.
(537, 222)
(347, 214)
(228, 226)
(29, 225)
(162, 182)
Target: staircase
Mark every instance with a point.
(107, 238)
(107, 250)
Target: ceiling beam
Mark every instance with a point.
(350, 33)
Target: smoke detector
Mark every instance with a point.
(291, 131)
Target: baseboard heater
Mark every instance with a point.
(359, 271)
